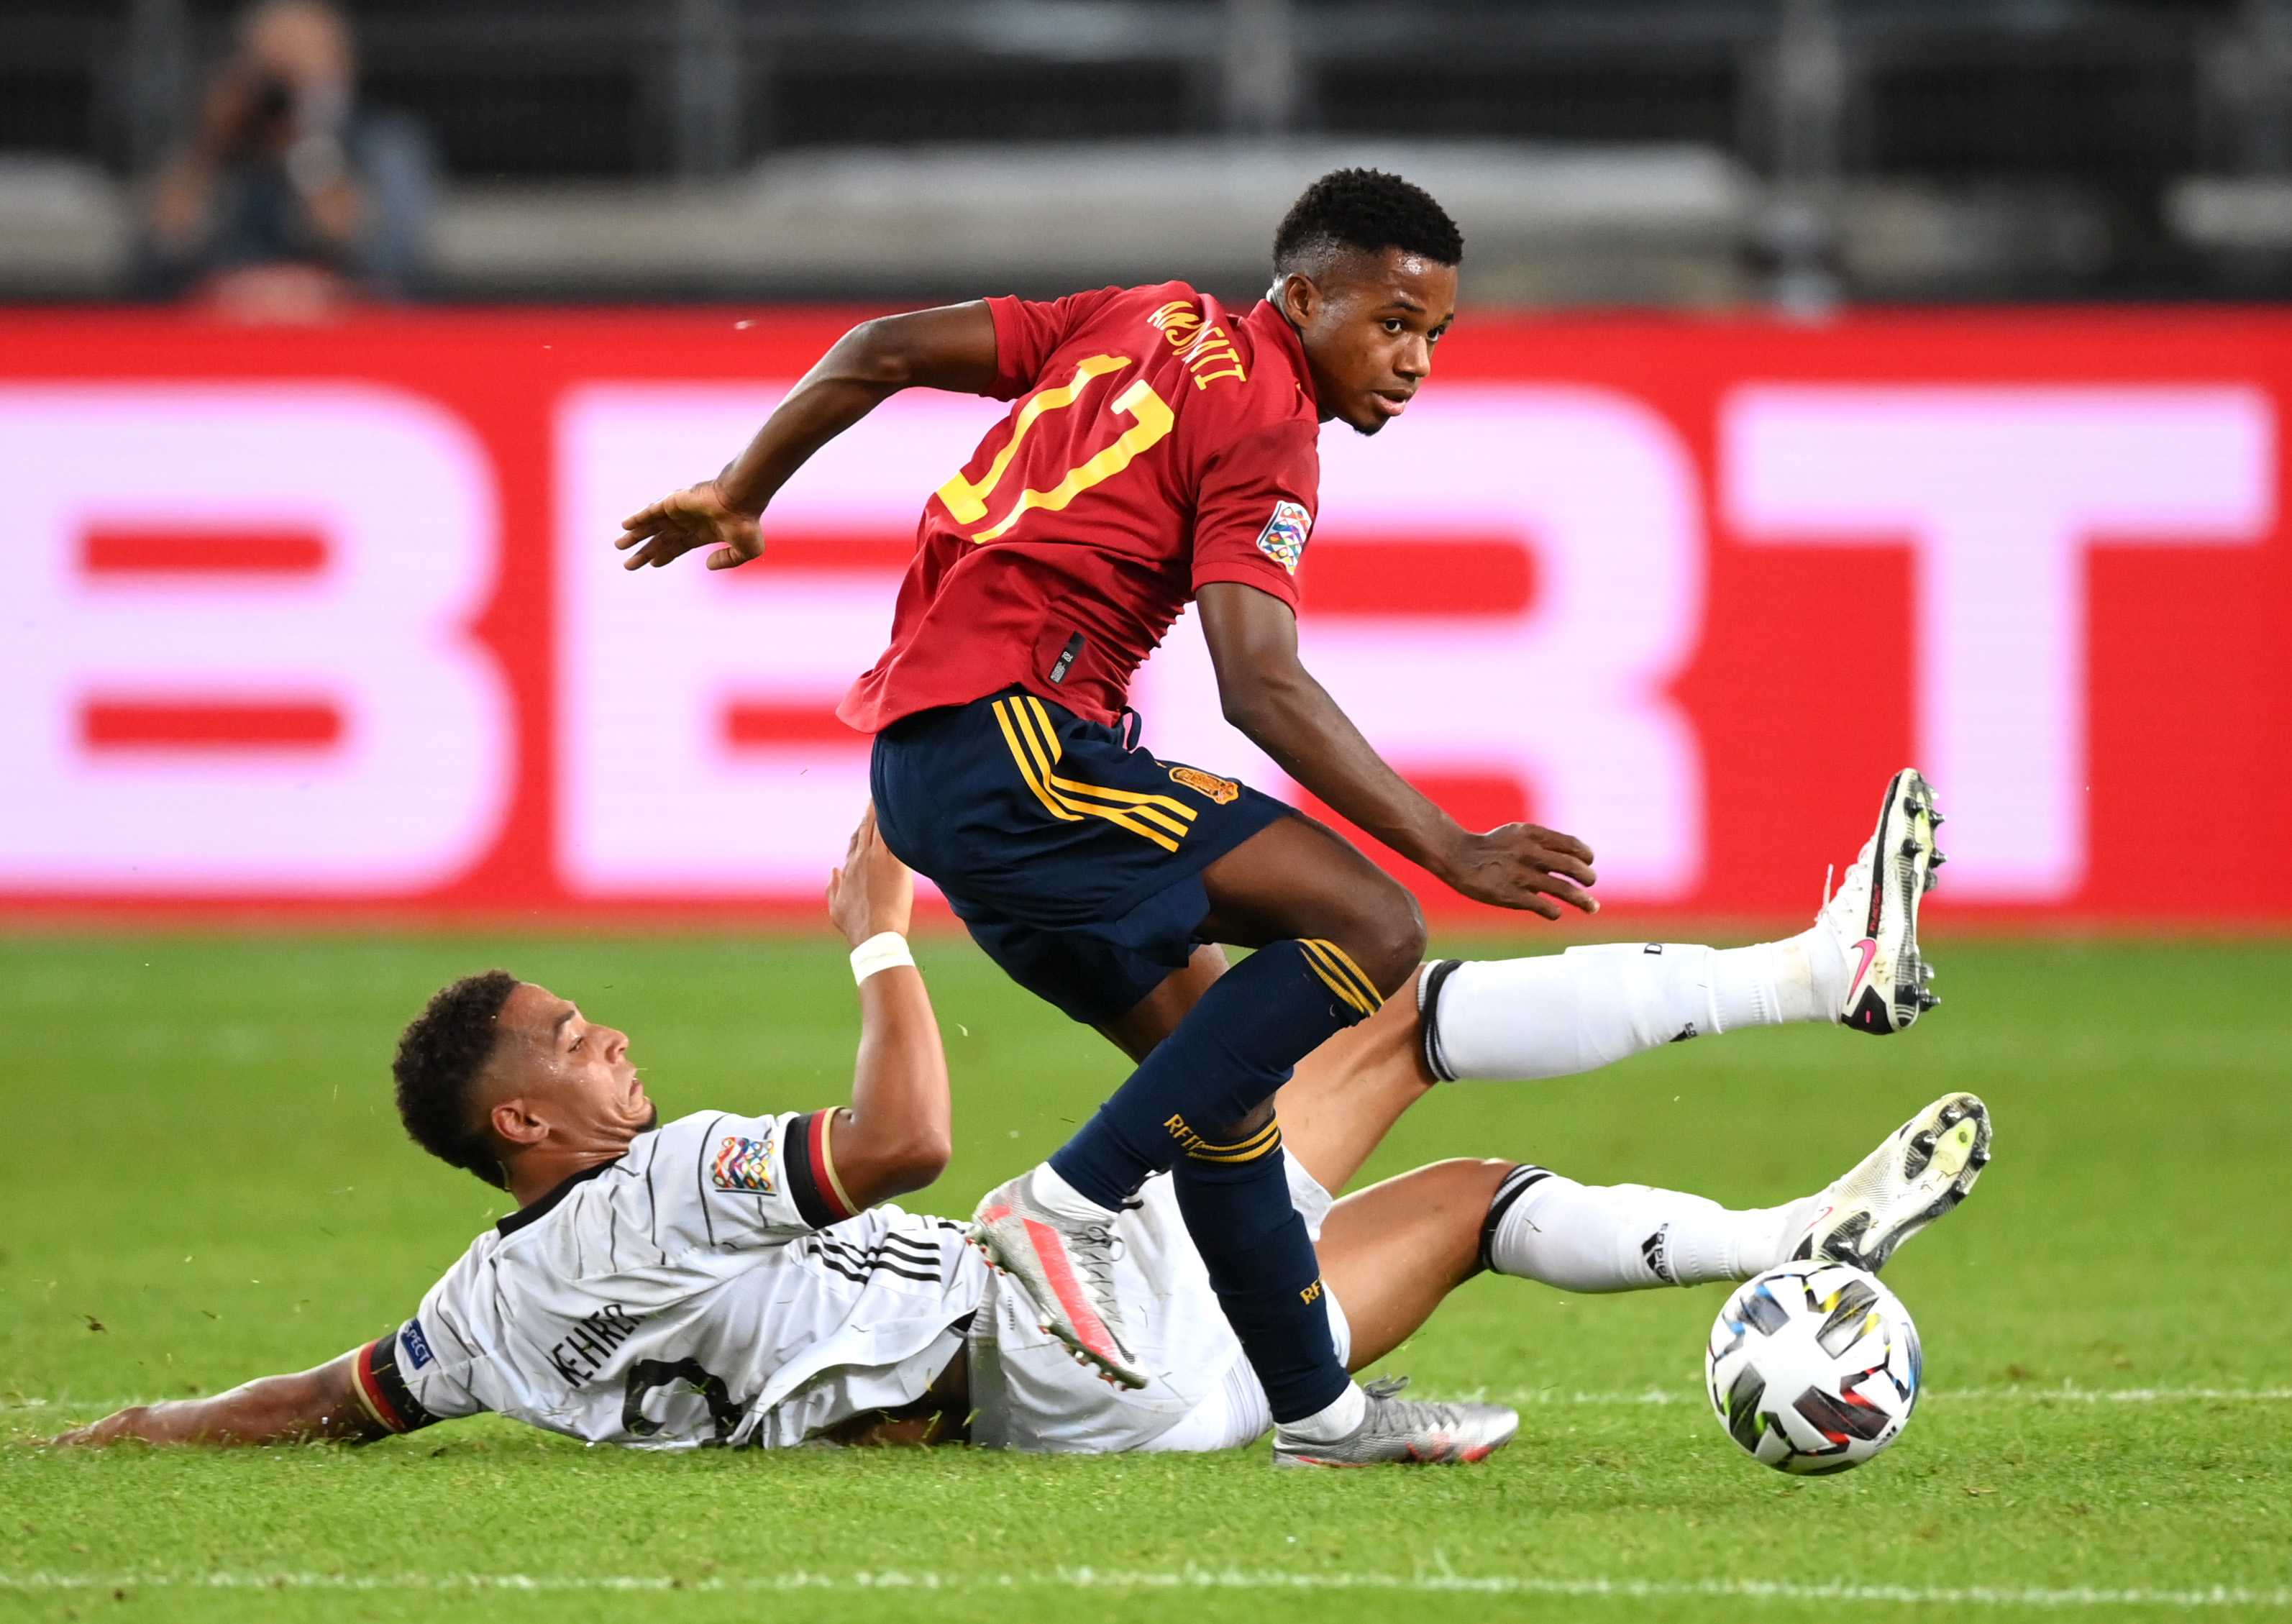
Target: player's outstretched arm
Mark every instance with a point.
(952, 347)
(313, 1407)
(895, 1135)
(1267, 692)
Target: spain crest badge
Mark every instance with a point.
(1222, 790)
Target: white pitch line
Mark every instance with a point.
(1191, 1578)
(2115, 1395)
(1945, 1395)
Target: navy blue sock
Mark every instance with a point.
(1236, 1202)
(1230, 1055)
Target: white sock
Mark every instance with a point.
(1327, 1425)
(1053, 1194)
(1591, 1006)
(1625, 1237)
(1810, 973)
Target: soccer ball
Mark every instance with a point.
(1814, 1367)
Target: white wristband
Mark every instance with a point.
(880, 952)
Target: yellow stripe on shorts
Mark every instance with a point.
(1026, 755)
(1035, 747)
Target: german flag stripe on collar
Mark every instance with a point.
(812, 1181)
(381, 1391)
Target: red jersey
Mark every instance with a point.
(1156, 444)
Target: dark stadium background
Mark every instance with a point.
(2019, 149)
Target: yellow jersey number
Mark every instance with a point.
(1149, 412)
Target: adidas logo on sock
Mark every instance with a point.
(1656, 1250)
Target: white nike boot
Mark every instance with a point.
(1923, 1169)
(1875, 914)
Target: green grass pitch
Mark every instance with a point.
(203, 1180)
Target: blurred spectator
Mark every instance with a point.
(289, 200)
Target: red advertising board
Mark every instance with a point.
(326, 623)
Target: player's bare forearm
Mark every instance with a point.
(951, 347)
(1291, 717)
(312, 1407)
(897, 1134)
(1266, 691)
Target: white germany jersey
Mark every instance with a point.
(711, 1287)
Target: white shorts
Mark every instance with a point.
(1031, 1393)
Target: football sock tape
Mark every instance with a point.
(1428, 1017)
(1515, 1184)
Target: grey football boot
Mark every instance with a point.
(1400, 1431)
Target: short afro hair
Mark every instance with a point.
(1367, 211)
(439, 1055)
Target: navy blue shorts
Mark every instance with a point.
(1074, 858)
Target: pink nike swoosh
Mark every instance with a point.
(1870, 950)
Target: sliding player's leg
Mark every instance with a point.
(1572, 1012)
(1391, 1252)
(1625, 1237)
(1345, 1096)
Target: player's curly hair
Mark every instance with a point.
(439, 1055)
(1365, 210)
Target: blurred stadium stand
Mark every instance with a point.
(1691, 152)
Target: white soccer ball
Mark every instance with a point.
(1814, 1367)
